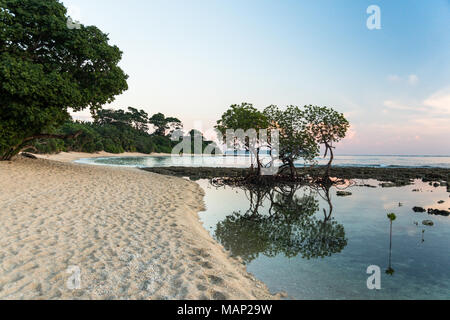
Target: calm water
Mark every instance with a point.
(220, 161)
(288, 241)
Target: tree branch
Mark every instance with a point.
(53, 136)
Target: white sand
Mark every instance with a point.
(133, 234)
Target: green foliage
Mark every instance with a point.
(242, 120)
(295, 140)
(114, 131)
(163, 124)
(244, 117)
(301, 131)
(392, 217)
(46, 69)
(326, 125)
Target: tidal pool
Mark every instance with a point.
(313, 244)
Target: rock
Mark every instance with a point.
(343, 193)
(428, 223)
(437, 212)
(416, 190)
(436, 184)
(28, 155)
(388, 185)
(367, 185)
(441, 201)
(419, 209)
(443, 183)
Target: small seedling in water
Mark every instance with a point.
(390, 271)
(392, 217)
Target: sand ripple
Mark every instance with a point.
(133, 234)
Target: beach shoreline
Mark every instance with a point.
(73, 156)
(132, 234)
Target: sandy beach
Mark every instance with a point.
(132, 234)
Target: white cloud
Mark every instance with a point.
(393, 78)
(413, 79)
(394, 105)
(436, 105)
(439, 101)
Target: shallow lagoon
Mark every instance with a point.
(298, 249)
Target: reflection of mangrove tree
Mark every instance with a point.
(288, 226)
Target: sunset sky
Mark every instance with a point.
(194, 58)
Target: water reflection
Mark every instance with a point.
(283, 220)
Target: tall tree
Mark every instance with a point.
(163, 124)
(295, 140)
(328, 127)
(243, 118)
(48, 69)
(139, 119)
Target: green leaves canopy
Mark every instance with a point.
(244, 117)
(46, 69)
(326, 125)
(163, 124)
(296, 140)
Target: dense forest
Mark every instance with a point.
(116, 131)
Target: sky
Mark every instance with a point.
(194, 58)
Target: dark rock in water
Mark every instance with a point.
(367, 185)
(343, 193)
(388, 185)
(428, 223)
(441, 201)
(419, 209)
(416, 190)
(436, 184)
(438, 212)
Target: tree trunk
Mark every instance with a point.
(19, 147)
(292, 168)
(258, 161)
(329, 148)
